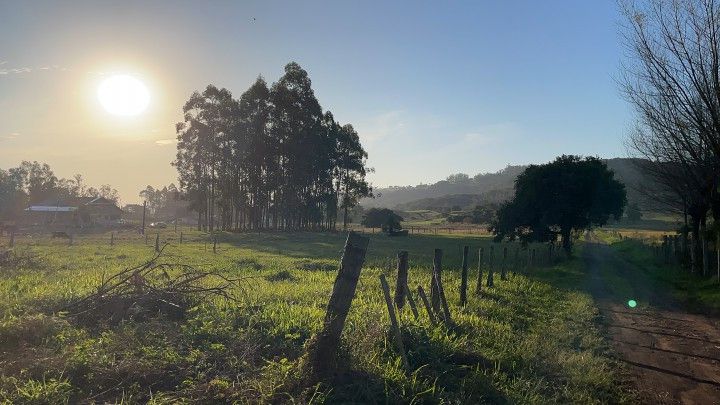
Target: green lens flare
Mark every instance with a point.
(632, 303)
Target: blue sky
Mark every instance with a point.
(433, 88)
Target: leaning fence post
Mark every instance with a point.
(491, 271)
(402, 276)
(436, 277)
(464, 276)
(322, 348)
(478, 287)
(443, 301)
(393, 322)
(411, 301)
(503, 269)
(426, 303)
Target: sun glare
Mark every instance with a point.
(123, 95)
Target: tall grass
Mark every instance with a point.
(531, 339)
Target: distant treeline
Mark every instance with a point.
(34, 183)
(272, 159)
(494, 188)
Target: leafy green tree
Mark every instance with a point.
(557, 198)
(383, 218)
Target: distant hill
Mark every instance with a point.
(461, 190)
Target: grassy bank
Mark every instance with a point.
(528, 340)
(698, 293)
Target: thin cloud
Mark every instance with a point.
(165, 142)
(11, 135)
(384, 125)
(493, 133)
(27, 69)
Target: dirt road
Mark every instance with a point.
(672, 356)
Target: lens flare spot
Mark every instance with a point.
(632, 303)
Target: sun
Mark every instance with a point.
(123, 95)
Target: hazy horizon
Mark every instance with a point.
(468, 88)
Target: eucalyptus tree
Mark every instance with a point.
(273, 158)
(202, 139)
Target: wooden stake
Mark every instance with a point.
(393, 322)
(214, 243)
(143, 222)
(464, 275)
(157, 242)
(503, 268)
(181, 237)
(411, 301)
(478, 287)
(322, 349)
(426, 303)
(436, 275)
(402, 276)
(490, 278)
(443, 301)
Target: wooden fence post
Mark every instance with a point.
(426, 303)
(402, 276)
(12, 238)
(411, 301)
(181, 237)
(464, 276)
(157, 242)
(503, 269)
(490, 279)
(214, 243)
(436, 277)
(393, 322)
(322, 349)
(112, 238)
(478, 287)
(443, 301)
(146, 239)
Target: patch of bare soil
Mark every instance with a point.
(672, 356)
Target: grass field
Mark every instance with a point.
(531, 339)
(698, 293)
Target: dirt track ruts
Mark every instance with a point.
(672, 356)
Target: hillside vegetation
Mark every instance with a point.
(466, 192)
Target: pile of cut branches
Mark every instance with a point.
(152, 289)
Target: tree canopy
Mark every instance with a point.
(272, 159)
(34, 182)
(557, 198)
(383, 218)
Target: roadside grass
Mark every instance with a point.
(528, 340)
(700, 294)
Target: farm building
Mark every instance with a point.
(77, 211)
